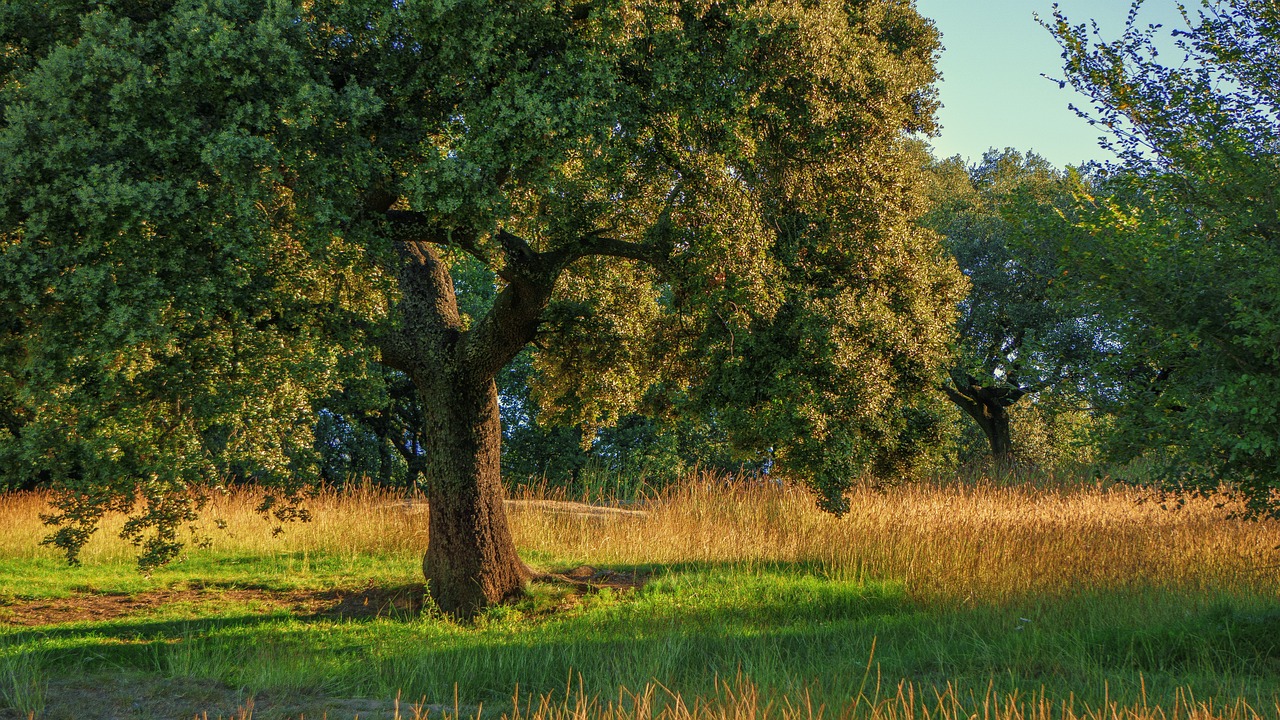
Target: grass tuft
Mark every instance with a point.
(23, 682)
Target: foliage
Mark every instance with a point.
(201, 202)
(176, 297)
(1018, 344)
(636, 452)
(1182, 250)
(370, 431)
(1057, 434)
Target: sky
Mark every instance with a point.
(992, 91)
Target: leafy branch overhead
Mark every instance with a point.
(218, 215)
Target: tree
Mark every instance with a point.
(1003, 220)
(216, 212)
(371, 432)
(1182, 245)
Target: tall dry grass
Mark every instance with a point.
(741, 700)
(350, 522)
(964, 541)
(980, 541)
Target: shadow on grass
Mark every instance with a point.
(785, 625)
(108, 615)
(691, 598)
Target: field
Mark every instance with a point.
(710, 600)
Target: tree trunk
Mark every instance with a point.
(471, 560)
(989, 408)
(995, 425)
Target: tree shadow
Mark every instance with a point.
(686, 625)
(120, 616)
(115, 615)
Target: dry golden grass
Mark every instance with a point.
(979, 542)
(358, 521)
(740, 700)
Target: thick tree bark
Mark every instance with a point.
(989, 408)
(471, 560)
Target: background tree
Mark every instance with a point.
(370, 431)
(215, 212)
(1183, 246)
(1003, 220)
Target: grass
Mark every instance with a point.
(930, 600)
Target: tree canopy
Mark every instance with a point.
(1182, 244)
(1007, 221)
(216, 214)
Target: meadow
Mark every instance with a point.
(707, 600)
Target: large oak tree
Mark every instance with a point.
(216, 213)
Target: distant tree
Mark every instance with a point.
(1183, 248)
(371, 431)
(214, 212)
(1003, 220)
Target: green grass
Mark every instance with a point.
(50, 577)
(787, 628)
(1086, 597)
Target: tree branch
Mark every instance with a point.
(409, 226)
(508, 326)
(598, 245)
(512, 321)
(957, 397)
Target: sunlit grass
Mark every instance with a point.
(983, 543)
(1008, 602)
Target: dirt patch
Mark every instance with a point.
(355, 603)
(362, 603)
(590, 579)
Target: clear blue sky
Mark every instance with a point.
(992, 90)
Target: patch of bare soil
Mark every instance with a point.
(589, 579)
(356, 604)
(362, 603)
